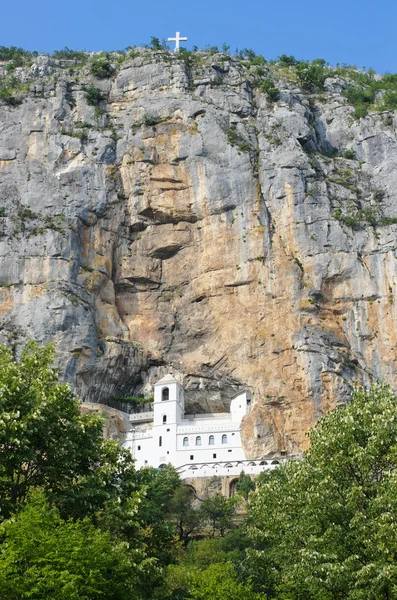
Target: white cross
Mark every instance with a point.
(177, 39)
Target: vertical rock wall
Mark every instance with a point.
(196, 225)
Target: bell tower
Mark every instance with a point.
(169, 402)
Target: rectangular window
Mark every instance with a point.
(168, 451)
(168, 430)
(229, 450)
(160, 441)
(191, 457)
(139, 447)
(214, 456)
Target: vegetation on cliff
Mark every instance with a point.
(78, 522)
(363, 89)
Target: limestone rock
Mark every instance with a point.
(190, 223)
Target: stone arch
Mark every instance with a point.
(263, 462)
(232, 487)
(162, 466)
(191, 488)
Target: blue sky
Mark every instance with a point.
(342, 31)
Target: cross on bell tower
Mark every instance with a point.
(177, 39)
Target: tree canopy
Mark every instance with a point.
(46, 442)
(326, 527)
(44, 556)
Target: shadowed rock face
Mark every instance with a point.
(202, 228)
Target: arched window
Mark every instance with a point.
(211, 440)
(224, 439)
(185, 441)
(198, 440)
(165, 394)
(164, 419)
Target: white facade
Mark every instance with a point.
(167, 435)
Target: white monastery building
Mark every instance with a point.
(196, 445)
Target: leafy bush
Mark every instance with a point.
(17, 55)
(254, 59)
(349, 154)
(152, 121)
(268, 88)
(8, 87)
(93, 96)
(362, 94)
(287, 61)
(312, 76)
(134, 400)
(68, 54)
(389, 100)
(101, 68)
(356, 95)
(155, 44)
(235, 139)
(360, 111)
(7, 96)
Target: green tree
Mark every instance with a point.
(312, 75)
(93, 96)
(326, 527)
(245, 485)
(101, 67)
(158, 487)
(155, 43)
(218, 511)
(45, 442)
(287, 61)
(220, 582)
(43, 556)
(182, 512)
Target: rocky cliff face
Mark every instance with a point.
(186, 221)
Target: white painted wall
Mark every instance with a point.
(209, 437)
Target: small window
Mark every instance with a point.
(211, 440)
(168, 429)
(198, 440)
(229, 450)
(214, 456)
(139, 447)
(145, 462)
(185, 441)
(164, 419)
(160, 440)
(224, 439)
(191, 457)
(168, 451)
(165, 394)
